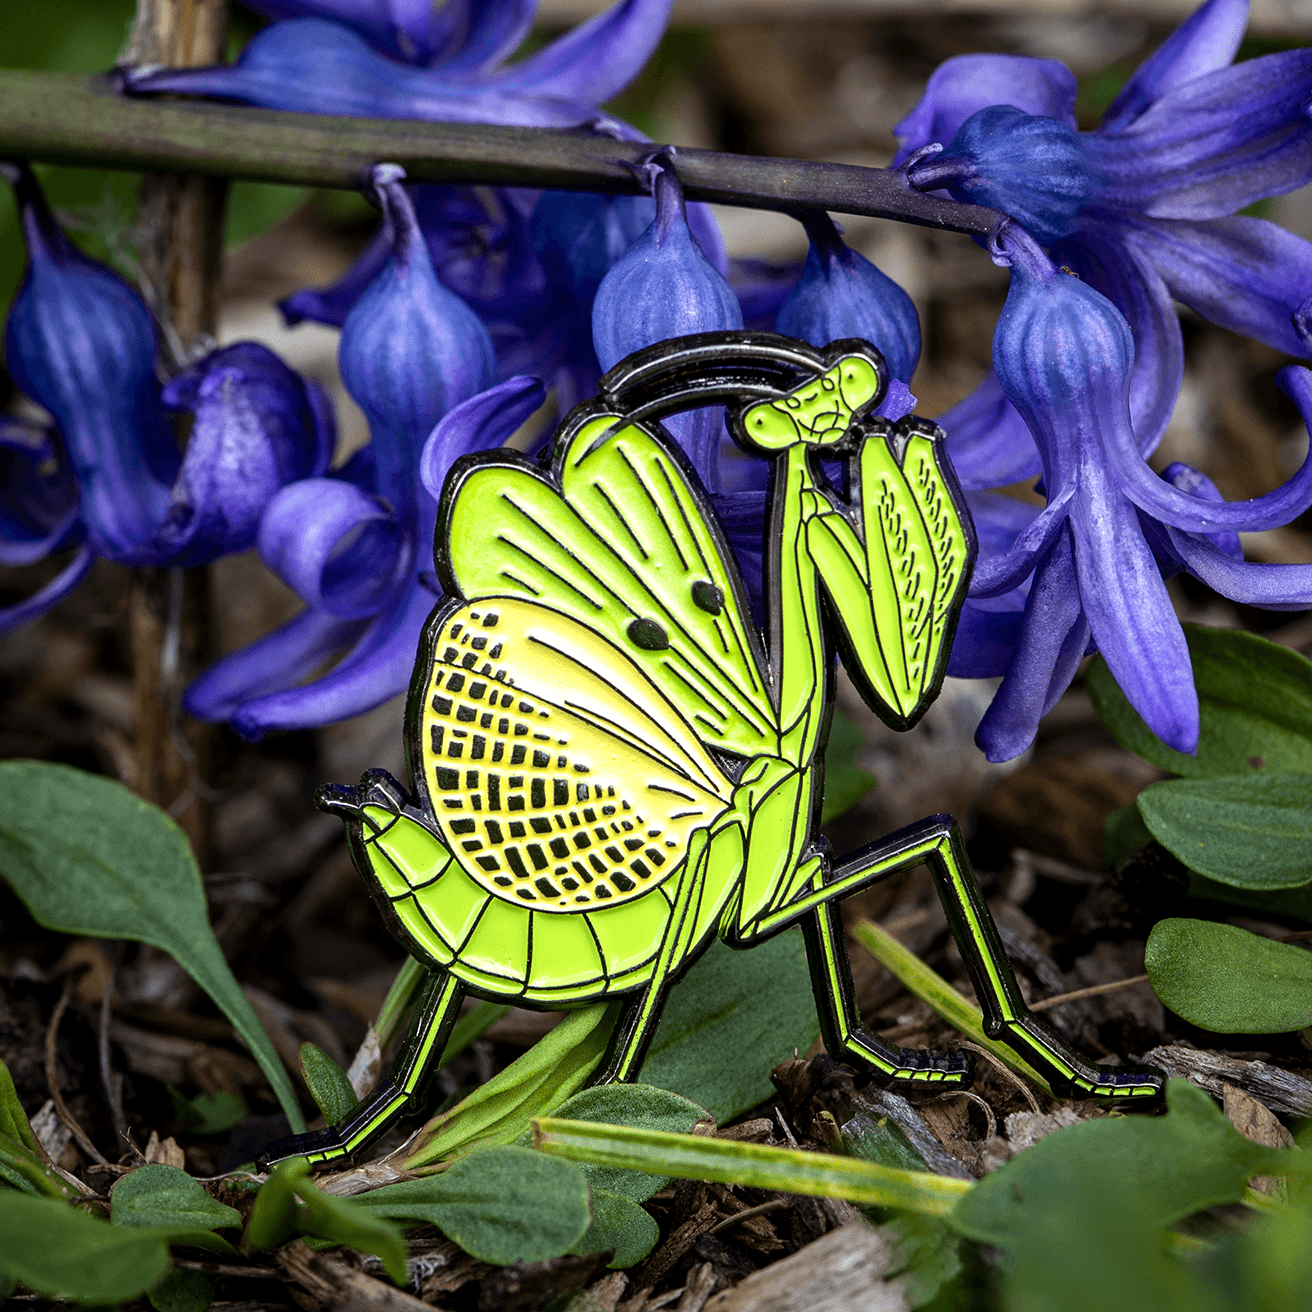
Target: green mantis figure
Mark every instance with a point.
(612, 765)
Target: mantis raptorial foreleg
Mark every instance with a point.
(937, 843)
(407, 1083)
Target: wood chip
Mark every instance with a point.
(1258, 1123)
(702, 1282)
(667, 1255)
(164, 1152)
(334, 1284)
(1025, 1129)
(367, 1064)
(840, 1272)
(1278, 1090)
(748, 1132)
(601, 1297)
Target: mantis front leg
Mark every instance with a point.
(937, 843)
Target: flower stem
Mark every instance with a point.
(180, 238)
(69, 118)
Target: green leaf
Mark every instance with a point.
(932, 989)
(54, 1249)
(328, 1084)
(634, 1105)
(880, 1140)
(1122, 832)
(1294, 902)
(88, 857)
(558, 1065)
(731, 1019)
(254, 206)
(1224, 979)
(501, 1205)
(182, 1291)
(1254, 701)
(751, 1165)
(208, 1113)
(1173, 1165)
(1253, 831)
(846, 783)
(13, 1119)
(288, 1201)
(928, 1256)
(618, 1223)
(163, 1195)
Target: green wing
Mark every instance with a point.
(617, 539)
(896, 585)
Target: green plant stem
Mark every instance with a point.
(694, 1157)
(933, 990)
(70, 118)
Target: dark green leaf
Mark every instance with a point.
(1224, 979)
(328, 1084)
(846, 783)
(1254, 831)
(502, 1205)
(928, 1256)
(1295, 902)
(638, 1105)
(86, 856)
(1254, 700)
(1178, 1164)
(288, 1201)
(163, 1195)
(618, 1223)
(254, 206)
(877, 1139)
(54, 1249)
(183, 1291)
(13, 1119)
(1122, 832)
(208, 1113)
(729, 1021)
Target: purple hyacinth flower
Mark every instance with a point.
(314, 65)
(1093, 558)
(355, 546)
(1144, 209)
(663, 287)
(39, 503)
(81, 342)
(841, 294)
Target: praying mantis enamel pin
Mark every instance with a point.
(613, 765)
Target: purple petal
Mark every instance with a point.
(478, 34)
(988, 442)
(761, 288)
(841, 294)
(484, 421)
(257, 426)
(13, 617)
(996, 574)
(986, 638)
(337, 547)
(1051, 642)
(377, 668)
(1197, 484)
(1112, 260)
(1271, 587)
(1216, 144)
(413, 30)
(898, 402)
(1200, 515)
(961, 86)
(1207, 40)
(80, 341)
(665, 287)
(312, 66)
(276, 661)
(38, 494)
(742, 516)
(411, 350)
(1247, 275)
(1130, 612)
(597, 60)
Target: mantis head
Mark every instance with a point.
(820, 411)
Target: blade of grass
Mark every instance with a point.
(933, 990)
(695, 1157)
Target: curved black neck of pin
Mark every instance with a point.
(734, 367)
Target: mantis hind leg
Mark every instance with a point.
(937, 843)
(404, 1089)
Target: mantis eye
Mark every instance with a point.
(706, 596)
(648, 635)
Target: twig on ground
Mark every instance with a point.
(52, 1076)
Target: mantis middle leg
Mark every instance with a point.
(937, 843)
